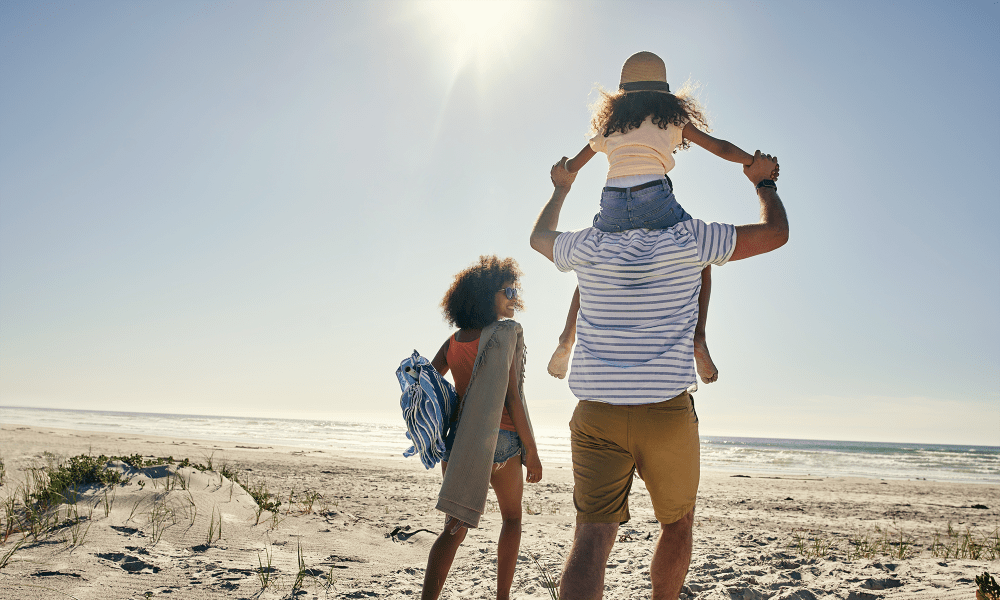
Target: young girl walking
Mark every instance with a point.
(479, 297)
(640, 127)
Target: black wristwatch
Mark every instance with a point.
(767, 183)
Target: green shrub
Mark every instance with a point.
(73, 474)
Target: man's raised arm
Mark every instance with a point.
(772, 230)
(543, 236)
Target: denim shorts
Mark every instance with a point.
(508, 445)
(651, 208)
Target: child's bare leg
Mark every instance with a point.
(559, 363)
(442, 555)
(439, 562)
(508, 484)
(702, 360)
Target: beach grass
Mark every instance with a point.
(879, 542)
(108, 503)
(60, 481)
(258, 490)
(276, 519)
(549, 582)
(309, 499)
(34, 517)
(33, 507)
(331, 581)
(300, 575)
(6, 556)
(77, 531)
(848, 536)
(305, 573)
(214, 527)
(157, 518)
(266, 573)
(966, 545)
(209, 461)
(135, 506)
(895, 542)
(192, 509)
(67, 477)
(9, 517)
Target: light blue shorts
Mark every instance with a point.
(508, 445)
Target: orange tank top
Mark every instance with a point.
(461, 357)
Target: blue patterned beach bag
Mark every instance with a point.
(428, 402)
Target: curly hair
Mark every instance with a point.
(470, 301)
(621, 111)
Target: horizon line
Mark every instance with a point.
(217, 416)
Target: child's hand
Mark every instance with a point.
(774, 173)
(534, 467)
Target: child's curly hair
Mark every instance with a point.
(620, 111)
(470, 301)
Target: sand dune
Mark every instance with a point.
(159, 534)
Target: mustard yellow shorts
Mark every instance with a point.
(610, 442)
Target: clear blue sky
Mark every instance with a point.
(243, 208)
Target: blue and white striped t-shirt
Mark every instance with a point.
(639, 307)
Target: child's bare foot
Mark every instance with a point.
(703, 360)
(559, 363)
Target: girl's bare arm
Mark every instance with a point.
(721, 148)
(440, 361)
(582, 157)
(515, 408)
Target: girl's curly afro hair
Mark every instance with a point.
(470, 301)
(620, 111)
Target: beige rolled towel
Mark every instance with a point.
(463, 492)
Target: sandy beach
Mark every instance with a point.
(361, 526)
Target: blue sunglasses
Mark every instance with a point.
(511, 293)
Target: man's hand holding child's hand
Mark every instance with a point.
(764, 166)
(561, 176)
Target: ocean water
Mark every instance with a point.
(780, 457)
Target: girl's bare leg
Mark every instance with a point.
(439, 562)
(559, 363)
(508, 484)
(702, 360)
(441, 556)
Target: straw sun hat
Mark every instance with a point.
(644, 71)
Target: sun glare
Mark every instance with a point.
(481, 30)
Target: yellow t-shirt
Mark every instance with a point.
(645, 150)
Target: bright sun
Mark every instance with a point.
(480, 30)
